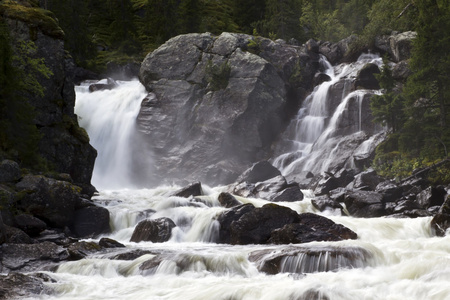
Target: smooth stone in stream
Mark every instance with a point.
(156, 231)
(303, 259)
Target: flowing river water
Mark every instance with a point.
(397, 258)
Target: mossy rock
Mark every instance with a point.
(34, 17)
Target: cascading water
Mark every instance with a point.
(391, 259)
(314, 133)
(110, 117)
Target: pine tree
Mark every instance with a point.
(428, 89)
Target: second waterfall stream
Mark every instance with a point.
(391, 259)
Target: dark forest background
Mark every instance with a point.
(416, 111)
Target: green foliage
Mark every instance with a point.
(217, 75)
(280, 19)
(254, 44)
(31, 67)
(19, 136)
(34, 17)
(322, 25)
(387, 108)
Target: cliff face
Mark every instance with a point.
(63, 144)
(217, 103)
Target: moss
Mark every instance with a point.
(78, 132)
(218, 76)
(33, 17)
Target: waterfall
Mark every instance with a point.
(314, 133)
(391, 259)
(109, 117)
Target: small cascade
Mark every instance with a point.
(109, 117)
(324, 260)
(332, 110)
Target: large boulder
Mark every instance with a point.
(256, 226)
(366, 77)
(91, 221)
(401, 45)
(156, 231)
(364, 204)
(9, 171)
(216, 104)
(226, 218)
(260, 171)
(53, 201)
(310, 228)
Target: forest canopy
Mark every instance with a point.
(103, 30)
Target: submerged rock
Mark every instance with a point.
(303, 259)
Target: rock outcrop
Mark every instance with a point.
(216, 104)
(63, 143)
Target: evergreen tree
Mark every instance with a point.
(387, 109)
(428, 89)
(281, 19)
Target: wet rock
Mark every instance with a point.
(50, 200)
(14, 235)
(29, 224)
(260, 171)
(321, 78)
(156, 231)
(323, 203)
(131, 255)
(367, 179)
(390, 191)
(441, 221)
(366, 79)
(101, 87)
(17, 286)
(290, 194)
(303, 259)
(364, 204)
(227, 200)
(269, 188)
(91, 221)
(9, 171)
(82, 249)
(312, 295)
(226, 218)
(331, 51)
(30, 257)
(194, 189)
(110, 243)
(256, 226)
(432, 196)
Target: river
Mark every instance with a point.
(394, 258)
